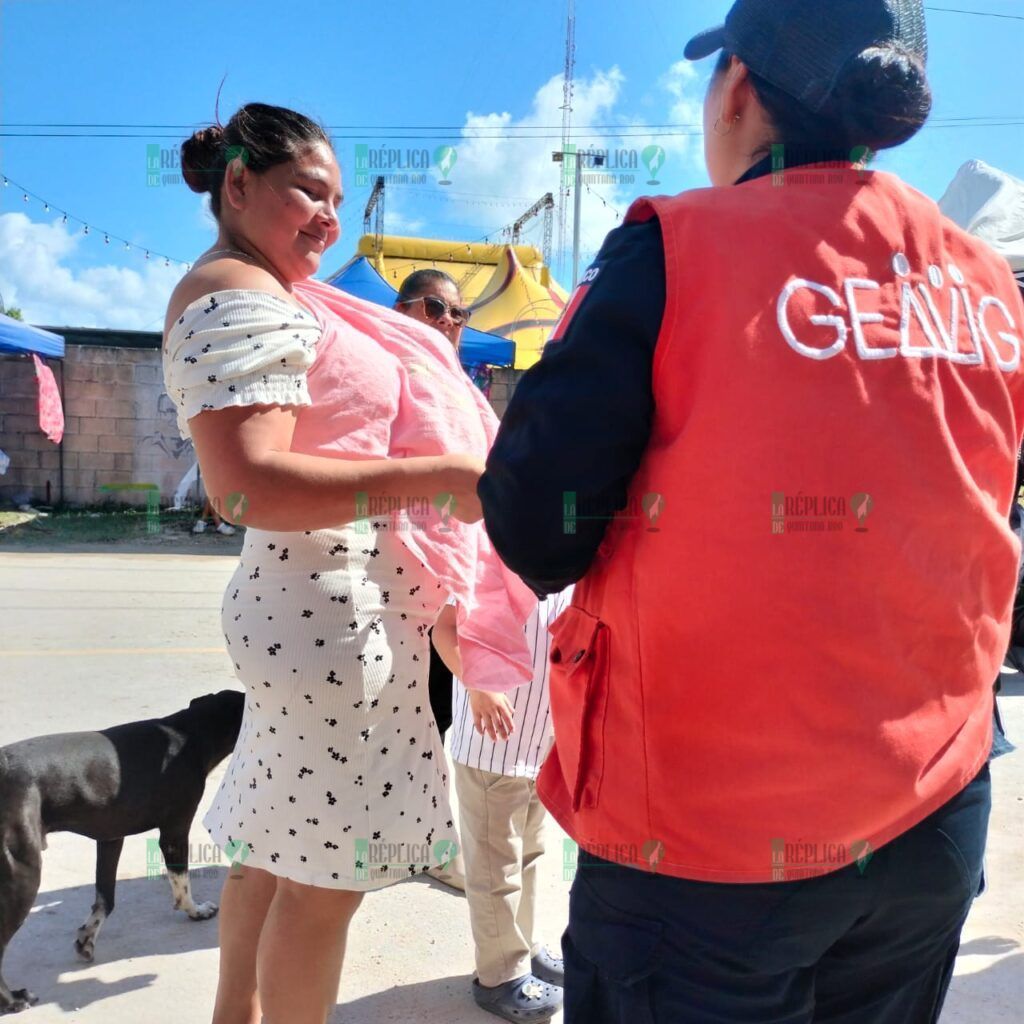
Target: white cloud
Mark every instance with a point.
(35, 277)
(204, 214)
(523, 167)
(400, 223)
(684, 84)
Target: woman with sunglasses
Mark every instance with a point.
(432, 297)
(773, 709)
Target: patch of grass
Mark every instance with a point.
(84, 526)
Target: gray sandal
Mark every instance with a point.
(548, 967)
(522, 999)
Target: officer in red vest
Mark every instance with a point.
(775, 442)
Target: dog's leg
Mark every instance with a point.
(108, 852)
(19, 883)
(175, 851)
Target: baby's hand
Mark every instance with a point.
(492, 714)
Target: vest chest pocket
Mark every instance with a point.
(579, 701)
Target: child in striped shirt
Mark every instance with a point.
(498, 744)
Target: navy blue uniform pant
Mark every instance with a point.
(872, 943)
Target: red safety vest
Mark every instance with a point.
(783, 656)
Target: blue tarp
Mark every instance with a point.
(16, 336)
(359, 278)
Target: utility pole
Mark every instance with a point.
(582, 159)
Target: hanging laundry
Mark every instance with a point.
(51, 412)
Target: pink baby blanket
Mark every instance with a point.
(440, 411)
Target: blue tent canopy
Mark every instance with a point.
(16, 336)
(359, 278)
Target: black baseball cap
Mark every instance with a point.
(801, 46)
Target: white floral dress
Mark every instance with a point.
(338, 778)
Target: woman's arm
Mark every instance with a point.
(580, 419)
(252, 475)
(246, 463)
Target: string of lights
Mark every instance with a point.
(93, 231)
(604, 202)
(67, 217)
(354, 202)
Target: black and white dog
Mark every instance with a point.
(107, 785)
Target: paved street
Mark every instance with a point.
(90, 640)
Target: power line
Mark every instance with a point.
(977, 14)
(979, 122)
(1003, 124)
(453, 192)
(456, 128)
(368, 128)
(494, 201)
(500, 136)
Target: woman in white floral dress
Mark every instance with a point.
(338, 782)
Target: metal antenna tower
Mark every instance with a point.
(375, 205)
(565, 190)
(548, 219)
(545, 203)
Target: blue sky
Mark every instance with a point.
(457, 65)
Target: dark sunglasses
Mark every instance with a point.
(436, 308)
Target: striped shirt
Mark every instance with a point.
(524, 752)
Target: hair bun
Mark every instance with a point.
(200, 155)
(882, 97)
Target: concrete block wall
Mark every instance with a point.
(120, 427)
(503, 383)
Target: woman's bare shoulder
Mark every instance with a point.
(216, 276)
